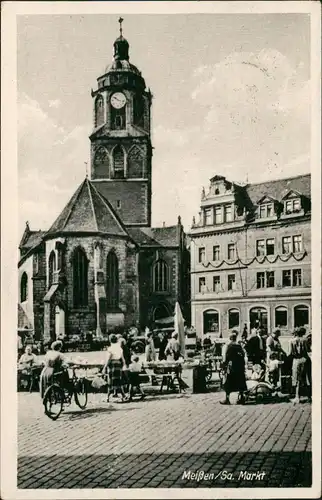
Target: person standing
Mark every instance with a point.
(234, 366)
(300, 354)
(173, 347)
(163, 345)
(255, 347)
(114, 363)
(134, 376)
(149, 347)
(54, 362)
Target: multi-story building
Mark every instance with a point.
(101, 264)
(251, 256)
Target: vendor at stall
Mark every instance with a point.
(173, 348)
(28, 359)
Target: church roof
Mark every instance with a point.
(155, 237)
(88, 212)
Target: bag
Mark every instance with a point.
(98, 382)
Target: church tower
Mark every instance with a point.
(121, 149)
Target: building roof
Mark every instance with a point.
(156, 237)
(88, 211)
(277, 189)
(31, 239)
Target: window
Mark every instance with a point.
(260, 280)
(208, 216)
(36, 263)
(287, 278)
(135, 163)
(202, 254)
(228, 213)
(297, 243)
(266, 210)
(202, 285)
(270, 246)
(23, 287)
(102, 164)
(138, 110)
(160, 276)
(233, 318)
(80, 278)
(117, 118)
(216, 252)
(218, 215)
(301, 316)
(112, 280)
(216, 283)
(293, 206)
(281, 317)
(297, 277)
(118, 156)
(51, 268)
(211, 322)
(231, 282)
(260, 248)
(287, 244)
(99, 111)
(270, 279)
(231, 251)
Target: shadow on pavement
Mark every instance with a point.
(172, 470)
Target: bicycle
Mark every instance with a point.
(56, 396)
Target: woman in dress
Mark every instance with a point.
(234, 365)
(300, 354)
(114, 364)
(54, 362)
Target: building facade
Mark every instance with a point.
(251, 256)
(101, 265)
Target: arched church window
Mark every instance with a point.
(23, 287)
(112, 280)
(99, 111)
(51, 268)
(118, 160)
(102, 164)
(135, 163)
(160, 276)
(80, 278)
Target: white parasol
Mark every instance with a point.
(179, 327)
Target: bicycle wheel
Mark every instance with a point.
(80, 393)
(53, 401)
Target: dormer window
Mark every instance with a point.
(293, 206)
(266, 210)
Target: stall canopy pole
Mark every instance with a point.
(179, 328)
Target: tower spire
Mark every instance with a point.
(121, 30)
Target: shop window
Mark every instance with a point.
(233, 318)
(281, 317)
(211, 322)
(301, 316)
(24, 287)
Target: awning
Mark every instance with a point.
(165, 321)
(51, 292)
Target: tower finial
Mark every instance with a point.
(121, 21)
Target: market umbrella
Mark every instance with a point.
(179, 327)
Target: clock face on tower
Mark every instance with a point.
(118, 100)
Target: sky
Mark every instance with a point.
(231, 97)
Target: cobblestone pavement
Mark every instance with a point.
(156, 442)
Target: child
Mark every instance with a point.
(256, 376)
(134, 375)
(273, 369)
